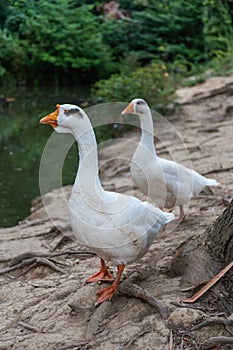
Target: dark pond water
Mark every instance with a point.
(22, 140)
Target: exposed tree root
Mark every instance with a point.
(99, 315)
(215, 342)
(31, 263)
(213, 321)
(34, 259)
(103, 312)
(130, 342)
(133, 290)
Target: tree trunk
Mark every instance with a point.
(201, 257)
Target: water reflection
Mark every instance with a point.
(22, 141)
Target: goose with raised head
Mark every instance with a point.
(166, 182)
(117, 227)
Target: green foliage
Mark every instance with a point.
(152, 83)
(183, 33)
(218, 28)
(121, 36)
(4, 11)
(167, 29)
(71, 41)
(218, 35)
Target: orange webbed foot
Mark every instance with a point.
(106, 294)
(100, 276)
(103, 274)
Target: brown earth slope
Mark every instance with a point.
(45, 302)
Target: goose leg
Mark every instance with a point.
(182, 215)
(102, 274)
(107, 293)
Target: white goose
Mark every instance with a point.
(166, 182)
(117, 227)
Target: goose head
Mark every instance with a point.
(66, 119)
(137, 106)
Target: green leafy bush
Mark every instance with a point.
(151, 83)
(161, 30)
(54, 37)
(218, 34)
(72, 41)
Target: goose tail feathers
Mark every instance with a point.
(212, 182)
(168, 217)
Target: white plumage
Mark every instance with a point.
(117, 227)
(166, 182)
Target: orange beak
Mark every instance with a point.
(129, 109)
(51, 118)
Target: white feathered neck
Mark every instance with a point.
(87, 177)
(147, 129)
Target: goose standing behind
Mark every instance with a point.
(117, 227)
(166, 182)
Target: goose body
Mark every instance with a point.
(117, 227)
(120, 229)
(166, 182)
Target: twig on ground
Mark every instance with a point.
(53, 231)
(193, 288)
(211, 129)
(28, 223)
(206, 140)
(208, 285)
(62, 241)
(62, 263)
(219, 170)
(70, 252)
(28, 326)
(187, 306)
(171, 341)
(78, 346)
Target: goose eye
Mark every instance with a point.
(73, 111)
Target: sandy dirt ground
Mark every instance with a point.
(45, 302)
